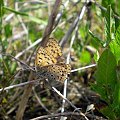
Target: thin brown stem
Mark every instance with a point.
(24, 99)
(51, 21)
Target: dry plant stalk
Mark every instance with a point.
(24, 98)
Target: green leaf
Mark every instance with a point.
(106, 3)
(1, 15)
(96, 56)
(115, 48)
(117, 7)
(108, 25)
(96, 39)
(116, 102)
(32, 18)
(8, 30)
(117, 22)
(117, 35)
(106, 75)
(13, 67)
(108, 111)
(37, 20)
(1, 9)
(85, 57)
(14, 11)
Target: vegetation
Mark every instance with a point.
(89, 30)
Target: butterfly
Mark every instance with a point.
(50, 63)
